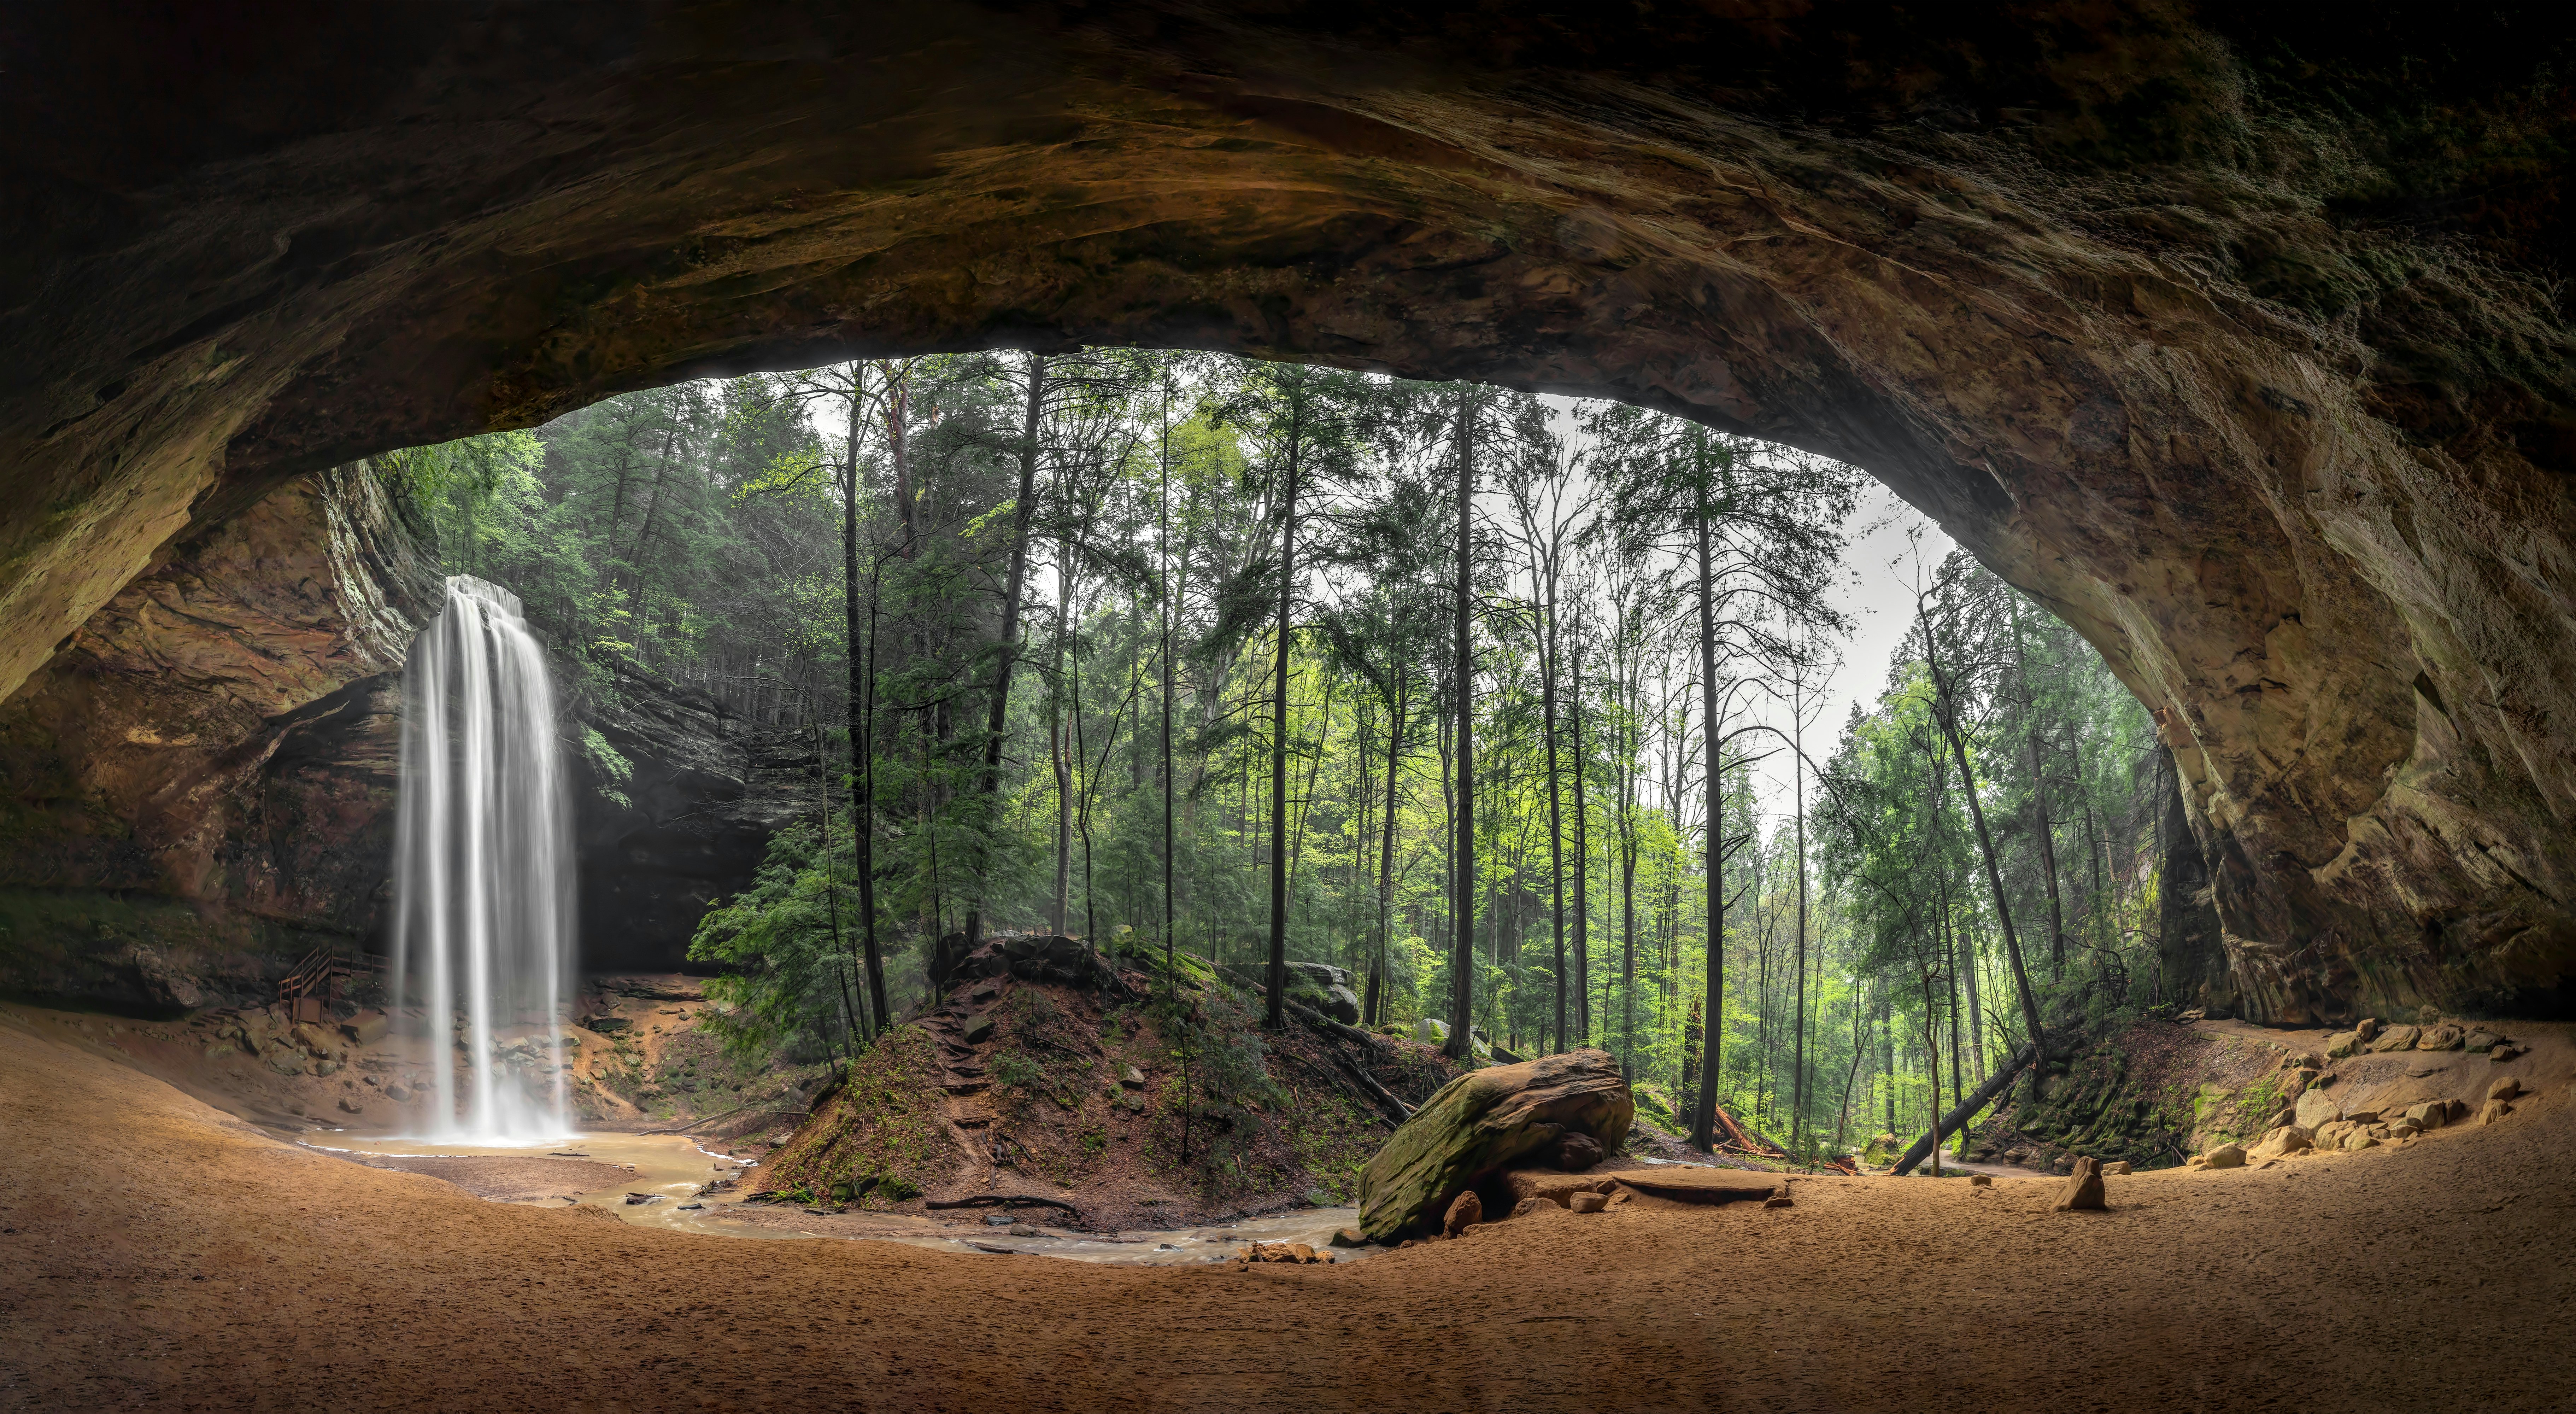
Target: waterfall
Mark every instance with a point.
(483, 873)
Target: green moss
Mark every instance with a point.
(882, 1135)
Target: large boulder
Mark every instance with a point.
(1031, 957)
(1483, 1122)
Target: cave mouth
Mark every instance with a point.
(2235, 342)
(2233, 418)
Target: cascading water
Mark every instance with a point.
(483, 872)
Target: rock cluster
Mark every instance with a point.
(1291, 1253)
(1486, 1121)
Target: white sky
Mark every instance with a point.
(1872, 588)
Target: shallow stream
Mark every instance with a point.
(670, 1169)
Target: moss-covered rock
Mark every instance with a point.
(1481, 1123)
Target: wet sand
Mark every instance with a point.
(157, 1254)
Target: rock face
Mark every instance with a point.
(687, 822)
(2232, 336)
(1482, 1123)
(224, 733)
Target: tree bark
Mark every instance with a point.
(998, 711)
(1386, 855)
(1945, 711)
(1984, 1095)
(1704, 1110)
(862, 719)
(1277, 1016)
(1462, 947)
(1582, 862)
(1555, 815)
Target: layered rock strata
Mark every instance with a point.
(223, 735)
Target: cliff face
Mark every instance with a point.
(223, 734)
(200, 785)
(686, 823)
(2234, 336)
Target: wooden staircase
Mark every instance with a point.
(313, 984)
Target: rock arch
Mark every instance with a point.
(2238, 348)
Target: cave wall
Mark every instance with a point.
(2235, 337)
(199, 783)
(680, 821)
(199, 786)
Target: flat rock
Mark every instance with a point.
(2226, 1156)
(1553, 1186)
(1696, 1185)
(1587, 1203)
(2395, 1038)
(2315, 1107)
(2505, 1088)
(2288, 1139)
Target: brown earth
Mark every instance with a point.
(155, 1254)
(1013, 1086)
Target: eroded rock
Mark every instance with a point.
(1483, 1122)
(2083, 1191)
(1465, 1211)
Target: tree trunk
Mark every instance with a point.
(1950, 1123)
(2047, 859)
(1056, 752)
(1932, 1062)
(1276, 1016)
(1798, 1059)
(1945, 711)
(1582, 862)
(1704, 1111)
(1162, 550)
(1555, 814)
(1386, 855)
(998, 711)
(862, 688)
(1462, 966)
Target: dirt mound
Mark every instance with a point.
(1139, 1102)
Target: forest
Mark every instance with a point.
(1469, 691)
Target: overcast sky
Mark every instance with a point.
(1872, 588)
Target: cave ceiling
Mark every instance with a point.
(2234, 336)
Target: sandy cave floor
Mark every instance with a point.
(155, 1253)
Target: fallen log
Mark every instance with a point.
(1956, 1119)
(1003, 1200)
(1394, 1109)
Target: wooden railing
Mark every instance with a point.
(314, 982)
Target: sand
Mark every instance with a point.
(156, 1254)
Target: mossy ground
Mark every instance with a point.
(2152, 1093)
(879, 1138)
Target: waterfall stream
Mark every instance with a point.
(483, 872)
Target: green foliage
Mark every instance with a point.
(752, 538)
